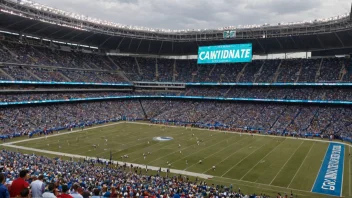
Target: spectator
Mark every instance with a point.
(4, 193)
(19, 184)
(25, 193)
(38, 187)
(75, 191)
(65, 192)
(50, 192)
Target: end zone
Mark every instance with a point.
(330, 177)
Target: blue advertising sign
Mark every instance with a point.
(330, 177)
(225, 54)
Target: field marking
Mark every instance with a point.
(134, 144)
(259, 185)
(201, 150)
(261, 135)
(242, 160)
(350, 173)
(173, 132)
(89, 146)
(167, 145)
(301, 165)
(204, 176)
(343, 170)
(286, 163)
(218, 131)
(321, 165)
(215, 153)
(177, 151)
(231, 155)
(59, 134)
(108, 134)
(262, 159)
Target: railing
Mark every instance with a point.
(325, 102)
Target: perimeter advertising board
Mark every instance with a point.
(225, 54)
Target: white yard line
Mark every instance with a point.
(301, 165)
(262, 159)
(350, 173)
(231, 155)
(156, 148)
(343, 171)
(286, 163)
(178, 151)
(204, 176)
(90, 146)
(242, 160)
(215, 153)
(198, 151)
(59, 134)
(258, 185)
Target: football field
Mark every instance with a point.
(260, 164)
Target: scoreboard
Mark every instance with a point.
(229, 34)
(225, 53)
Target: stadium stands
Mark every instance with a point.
(96, 177)
(85, 67)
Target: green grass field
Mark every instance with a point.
(261, 164)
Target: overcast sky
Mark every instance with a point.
(200, 14)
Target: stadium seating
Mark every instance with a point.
(94, 68)
(107, 180)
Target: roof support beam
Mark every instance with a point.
(279, 42)
(337, 36)
(104, 41)
(15, 23)
(161, 46)
(139, 45)
(46, 27)
(118, 46)
(321, 43)
(75, 36)
(66, 34)
(149, 46)
(87, 37)
(129, 46)
(30, 26)
(56, 32)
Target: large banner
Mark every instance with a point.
(225, 54)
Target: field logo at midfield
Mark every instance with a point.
(330, 177)
(162, 138)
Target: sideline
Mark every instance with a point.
(59, 134)
(200, 175)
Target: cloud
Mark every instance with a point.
(201, 14)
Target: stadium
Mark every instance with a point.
(92, 108)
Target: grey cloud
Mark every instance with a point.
(199, 14)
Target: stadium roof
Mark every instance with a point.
(316, 36)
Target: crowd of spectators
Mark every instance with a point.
(267, 118)
(321, 93)
(58, 96)
(294, 93)
(56, 177)
(59, 75)
(278, 118)
(25, 119)
(164, 70)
